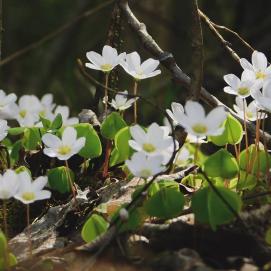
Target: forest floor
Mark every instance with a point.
(178, 244)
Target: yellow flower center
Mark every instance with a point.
(199, 128)
(106, 67)
(249, 114)
(63, 150)
(260, 75)
(243, 91)
(42, 113)
(138, 75)
(145, 173)
(22, 113)
(28, 196)
(148, 147)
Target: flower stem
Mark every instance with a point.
(196, 153)
(175, 162)
(266, 152)
(106, 93)
(107, 157)
(5, 218)
(246, 136)
(257, 141)
(135, 103)
(73, 189)
(6, 252)
(28, 229)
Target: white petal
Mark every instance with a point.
(51, 141)
(232, 80)
(44, 194)
(63, 110)
(69, 136)
(155, 132)
(194, 110)
(79, 144)
(11, 98)
(216, 117)
(246, 65)
(39, 183)
(50, 152)
(109, 54)
(47, 99)
(230, 90)
(133, 60)
(149, 65)
(95, 58)
(138, 134)
(267, 89)
(71, 121)
(259, 60)
(92, 66)
(264, 103)
(135, 145)
(177, 107)
(240, 103)
(24, 181)
(152, 74)
(65, 156)
(248, 75)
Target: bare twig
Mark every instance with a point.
(215, 27)
(54, 33)
(224, 43)
(197, 53)
(224, 28)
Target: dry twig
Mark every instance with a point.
(197, 53)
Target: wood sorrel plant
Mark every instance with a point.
(220, 180)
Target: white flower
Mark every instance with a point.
(155, 141)
(3, 129)
(145, 166)
(121, 102)
(9, 184)
(105, 62)
(63, 148)
(65, 112)
(189, 138)
(263, 98)
(30, 191)
(258, 70)
(27, 111)
(250, 110)
(7, 105)
(182, 156)
(197, 123)
(238, 87)
(132, 65)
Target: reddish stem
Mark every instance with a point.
(107, 156)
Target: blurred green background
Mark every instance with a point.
(52, 67)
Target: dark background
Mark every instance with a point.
(52, 67)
